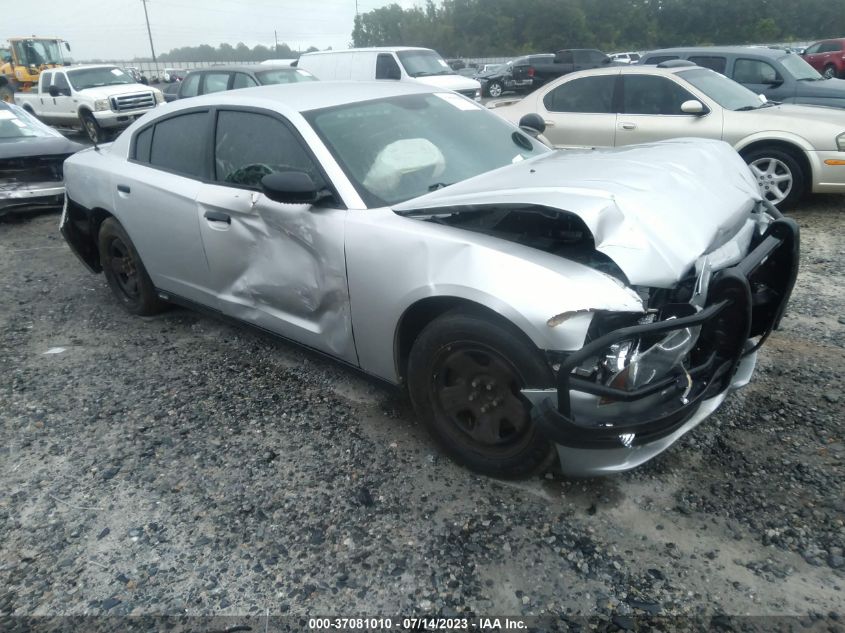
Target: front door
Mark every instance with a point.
(279, 266)
(651, 111)
(579, 112)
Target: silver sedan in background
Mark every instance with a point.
(529, 300)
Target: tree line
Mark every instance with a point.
(228, 53)
(486, 28)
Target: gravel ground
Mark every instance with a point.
(183, 465)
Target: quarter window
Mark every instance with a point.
(587, 94)
(248, 146)
(176, 144)
(143, 141)
(754, 71)
(651, 94)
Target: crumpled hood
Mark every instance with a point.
(654, 209)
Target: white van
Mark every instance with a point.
(400, 63)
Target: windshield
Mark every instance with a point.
(97, 77)
(283, 76)
(800, 69)
(727, 93)
(424, 63)
(16, 123)
(38, 52)
(402, 147)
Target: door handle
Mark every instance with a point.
(549, 123)
(628, 126)
(123, 188)
(217, 216)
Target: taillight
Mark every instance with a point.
(531, 71)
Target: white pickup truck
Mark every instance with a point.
(99, 99)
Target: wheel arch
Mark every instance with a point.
(795, 150)
(419, 314)
(81, 229)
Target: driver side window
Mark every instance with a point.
(651, 94)
(249, 145)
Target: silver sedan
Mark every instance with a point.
(589, 306)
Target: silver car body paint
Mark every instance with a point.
(340, 280)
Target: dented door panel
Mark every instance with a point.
(279, 266)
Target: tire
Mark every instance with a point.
(464, 368)
(7, 95)
(92, 128)
(124, 271)
(495, 89)
(829, 72)
(781, 178)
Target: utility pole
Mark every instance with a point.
(276, 37)
(150, 33)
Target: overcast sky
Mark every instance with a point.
(115, 29)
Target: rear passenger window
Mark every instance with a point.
(713, 63)
(216, 82)
(248, 146)
(176, 144)
(142, 145)
(242, 80)
(586, 94)
(190, 85)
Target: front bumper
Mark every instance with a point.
(31, 197)
(110, 118)
(602, 428)
(827, 177)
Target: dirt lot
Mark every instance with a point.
(179, 464)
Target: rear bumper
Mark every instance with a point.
(602, 428)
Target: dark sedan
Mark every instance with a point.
(219, 78)
(31, 158)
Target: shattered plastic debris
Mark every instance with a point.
(54, 350)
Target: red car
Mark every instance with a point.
(828, 57)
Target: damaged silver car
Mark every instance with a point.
(31, 157)
(589, 305)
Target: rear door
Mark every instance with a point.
(580, 112)
(155, 200)
(651, 111)
(279, 266)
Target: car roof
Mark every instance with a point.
(635, 69)
(720, 50)
(306, 96)
(85, 66)
(247, 68)
(372, 49)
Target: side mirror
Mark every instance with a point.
(532, 124)
(693, 106)
(67, 46)
(55, 91)
(774, 83)
(290, 187)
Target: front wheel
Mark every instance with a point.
(829, 72)
(7, 95)
(781, 179)
(124, 271)
(465, 373)
(495, 89)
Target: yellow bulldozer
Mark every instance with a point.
(23, 59)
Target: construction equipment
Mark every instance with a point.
(22, 61)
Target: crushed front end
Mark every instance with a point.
(641, 381)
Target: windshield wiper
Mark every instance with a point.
(421, 73)
(748, 107)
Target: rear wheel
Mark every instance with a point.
(465, 373)
(829, 72)
(125, 274)
(7, 95)
(782, 180)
